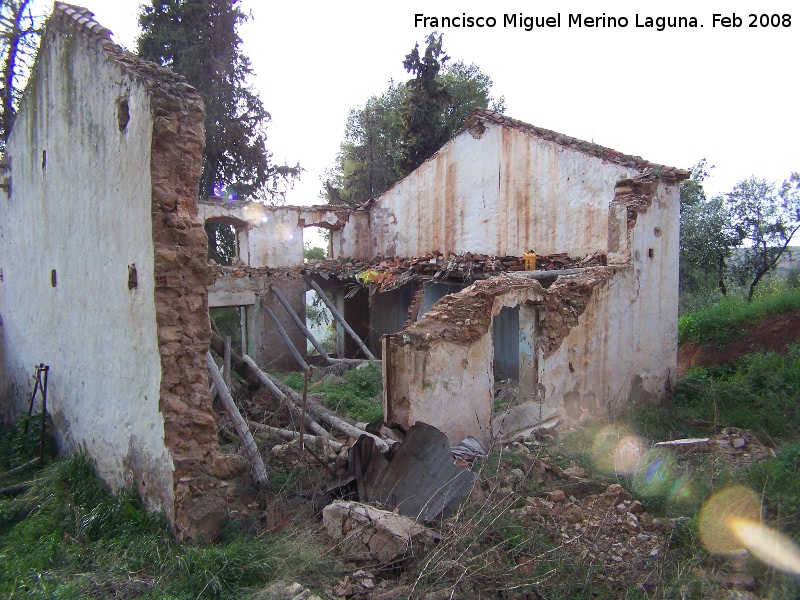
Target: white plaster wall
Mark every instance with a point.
(503, 194)
(86, 215)
(275, 233)
(625, 345)
(450, 387)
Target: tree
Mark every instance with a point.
(707, 236)
(20, 31)
(423, 131)
(199, 40)
(367, 164)
(380, 144)
(766, 216)
(222, 246)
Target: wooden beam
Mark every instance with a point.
(285, 336)
(339, 317)
(300, 324)
(250, 447)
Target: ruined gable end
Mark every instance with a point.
(104, 269)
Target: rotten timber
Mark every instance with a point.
(250, 447)
(316, 410)
(300, 325)
(339, 317)
(284, 395)
(286, 339)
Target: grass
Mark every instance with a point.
(354, 397)
(720, 322)
(760, 392)
(69, 537)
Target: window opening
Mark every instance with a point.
(223, 247)
(232, 321)
(316, 243)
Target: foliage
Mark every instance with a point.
(69, 537)
(779, 481)
(422, 133)
(722, 320)
(222, 246)
(385, 139)
(759, 393)
(767, 216)
(18, 446)
(355, 396)
(314, 253)
(20, 31)
(706, 234)
(228, 320)
(199, 40)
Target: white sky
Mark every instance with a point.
(727, 94)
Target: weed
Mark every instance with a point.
(720, 322)
(69, 537)
(759, 393)
(354, 397)
(778, 479)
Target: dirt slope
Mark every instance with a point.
(770, 334)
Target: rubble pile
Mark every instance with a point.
(383, 274)
(608, 530)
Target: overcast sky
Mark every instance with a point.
(725, 93)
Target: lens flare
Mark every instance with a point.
(682, 490)
(655, 474)
(617, 450)
(767, 544)
(719, 511)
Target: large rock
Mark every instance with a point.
(365, 533)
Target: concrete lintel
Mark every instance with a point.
(218, 298)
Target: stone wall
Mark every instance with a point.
(105, 271)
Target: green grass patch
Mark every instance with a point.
(760, 393)
(18, 446)
(70, 537)
(353, 397)
(720, 322)
(778, 479)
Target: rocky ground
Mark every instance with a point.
(537, 525)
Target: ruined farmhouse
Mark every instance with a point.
(105, 276)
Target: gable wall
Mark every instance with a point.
(86, 214)
(499, 192)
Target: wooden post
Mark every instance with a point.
(226, 361)
(339, 317)
(250, 447)
(298, 357)
(300, 324)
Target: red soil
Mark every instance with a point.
(770, 334)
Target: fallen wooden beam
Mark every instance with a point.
(288, 435)
(339, 317)
(286, 339)
(250, 447)
(282, 393)
(300, 325)
(316, 410)
(20, 468)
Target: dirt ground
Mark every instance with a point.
(770, 334)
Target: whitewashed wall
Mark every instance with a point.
(272, 236)
(504, 193)
(85, 213)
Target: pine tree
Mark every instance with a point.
(199, 40)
